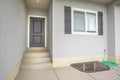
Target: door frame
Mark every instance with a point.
(28, 29)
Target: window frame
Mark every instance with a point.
(85, 11)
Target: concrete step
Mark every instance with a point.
(35, 60)
(36, 55)
(37, 66)
(36, 52)
(36, 49)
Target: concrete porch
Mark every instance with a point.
(66, 73)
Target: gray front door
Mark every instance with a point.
(37, 32)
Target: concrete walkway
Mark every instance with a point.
(36, 65)
(65, 73)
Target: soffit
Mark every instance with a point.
(38, 4)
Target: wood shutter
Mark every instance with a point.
(67, 19)
(100, 23)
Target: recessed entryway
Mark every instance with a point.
(36, 31)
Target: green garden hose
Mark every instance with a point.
(106, 62)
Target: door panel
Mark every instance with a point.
(37, 32)
(38, 26)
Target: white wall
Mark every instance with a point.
(117, 29)
(12, 34)
(50, 29)
(111, 29)
(114, 28)
(37, 12)
(65, 45)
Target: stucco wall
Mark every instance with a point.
(117, 29)
(114, 28)
(70, 45)
(12, 34)
(37, 12)
(111, 29)
(50, 29)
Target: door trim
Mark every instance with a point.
(28, 29)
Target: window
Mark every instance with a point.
(84, 21)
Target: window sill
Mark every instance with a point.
(84, 33)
